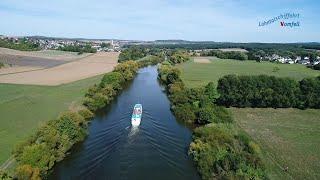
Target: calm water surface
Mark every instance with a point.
(157, 149)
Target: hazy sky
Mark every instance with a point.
(215, 20)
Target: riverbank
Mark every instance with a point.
(52, 141)
(273, 129)
(156, 149)
(219, 149)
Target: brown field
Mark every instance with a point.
(201, 60)
(48, 54)
(86, 67)
(16, 69)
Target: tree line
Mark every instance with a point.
(268, 91)
(51, 142)
(21, 44)
(219, 149)
(139, 52)
(78, 48)
(226, 55)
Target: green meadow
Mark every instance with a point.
(195, 74)
(289, 138)
(23, 108)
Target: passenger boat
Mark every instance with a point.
(136, 115)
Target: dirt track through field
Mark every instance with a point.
(93, 65)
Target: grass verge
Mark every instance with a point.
(288, 137)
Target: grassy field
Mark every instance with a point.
(195, 74)
(288, 137)
(24, 107)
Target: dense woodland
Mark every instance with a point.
(219, 149)
(268, 91)
(21, 44)
(226, 55)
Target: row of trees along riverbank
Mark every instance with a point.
(51, 142)
(219, 149)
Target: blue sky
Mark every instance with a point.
(214, 20)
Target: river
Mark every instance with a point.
(157, 149)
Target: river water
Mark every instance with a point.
(157, 149)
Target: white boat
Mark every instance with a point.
(136, 115)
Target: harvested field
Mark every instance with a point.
(201, 60)
(93, 65)
(233, 49)
(16, 60)
(16, 69)
(48, 54)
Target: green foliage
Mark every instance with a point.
(316, 67)
(310, 93)
(105, 45)
(258, 91)
(98, 97)
(178, 56)
(37, 155)
(276, 69)
(206, 115)
(211, 91)
(50, 143)
(185, 113)
(133, 53)
(220, 152)
(21, 44)
(115, 79)
(86, 113)
(268, 91)
(78, 48)
(176, 87)
(226, 55)
(5, 175)
(127, 69)
(27, 172)
(150, 60)
(1, 65)
(195, 105)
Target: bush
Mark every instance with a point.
(176, 87)
(185, 112)
(4, 175)
(219, 153)
(206, 115)
(127, 69)
(86, 113)
(26, 172)
(50, 144)
(115, 79)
